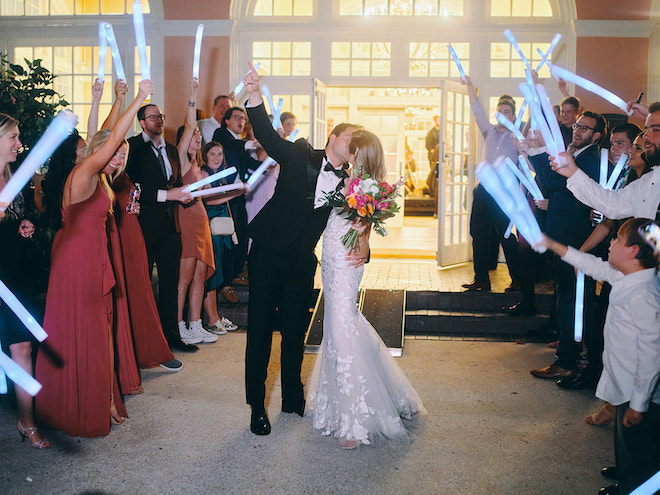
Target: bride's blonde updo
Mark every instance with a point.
(368, 152)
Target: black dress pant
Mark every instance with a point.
(282, 282)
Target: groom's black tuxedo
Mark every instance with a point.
(282, 263)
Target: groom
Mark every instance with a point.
(282, 263)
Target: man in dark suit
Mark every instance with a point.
(569, 220)
(154, 164)
(282, 263)
(237, 154)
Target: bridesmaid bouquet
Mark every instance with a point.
(368, 201)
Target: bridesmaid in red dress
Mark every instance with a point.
(197, 263)
(76, 364)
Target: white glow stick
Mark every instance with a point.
(509, 228)
(240, 86)
(114, 50)
(217, 190)
(103, 50)
(623, 160)
(579, 306)
(521, 113)
(604, 162)
(509, 125)
(526, 167)
(523, 180)
(57, 131)
(293, 135)
(22, 313)
(537, 114)
(649, 487)
(276, 115)
(207, 180)
(260, 171)
(590, 86)
(546, 55)
(550, 118)
(18, 375)
(269, 98)
(530, 81)
(512, 39)
(140, 40)
(457, 61)
(198, 50)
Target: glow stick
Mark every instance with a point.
(18, 375)
(550, 117)
(544, 56)
(507, 234)
(526, 167)
(537, 114)
(649, 487)
(623, 160)
(198, 50)
(523, 180)
(269, 98)
(114, 50)
(293, 135)
(521, 113)
(509, 125)
(207, 180)
(457, 61)
(22, 313)
(530, 81)
(103, 50)
(3, 379)
(590, 86)
(240, 86)
(260, 171)
(278, 112)
(57, 131)
(579, 306)
(512, 39)
(140, 40)
(604, 162)
(217, 190)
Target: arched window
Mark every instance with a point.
(284, 8)
(68, 7)
(401, 7)
(520, 8)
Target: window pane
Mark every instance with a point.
(61, 7)
(452, 7)
(45, 53)
(87, 6)
(303, 7)
(63, 85)
(401, 7)
(500, 51)
(281, 67)
(281, 49)
(381, 50)
(426, 7)
(282, 7)
(341, 67)
(521, 8)
(375, 7)
(341, 50)
(302, 50)
(500, 8)
(114, 6)
(542, 8)
(301, 68)
(418, 68)
(350, 7)
(418, 50)
(439, 68)
(82, 56)
(261, 49)
(21, 53)
(263, 7)
(361, 50)
(265, 68)
(360, 67)
(499, 68)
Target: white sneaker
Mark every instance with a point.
(216, 328)
(206, 337)
(187, 335)
(228, 325)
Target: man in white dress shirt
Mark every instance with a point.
(208, 126)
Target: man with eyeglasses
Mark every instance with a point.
(569, 220)
(154, 164)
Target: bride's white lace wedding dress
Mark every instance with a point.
(359, 394)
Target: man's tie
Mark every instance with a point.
(161, 160)
(341, 173)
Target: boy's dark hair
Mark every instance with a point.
(601, 124)
(630, 229)
(572, 101)
(230, 111)
(142, 110)
(631, 130)
(286, 116)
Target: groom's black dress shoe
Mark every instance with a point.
(259, 424)
(610, 490)
(298, 409)
(609, 472)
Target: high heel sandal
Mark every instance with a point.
(29, 434)
(114, 420)
(603, 417)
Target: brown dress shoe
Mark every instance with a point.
(240, 281)
(229, 295)
(552, 372)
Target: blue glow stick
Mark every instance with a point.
(537, 114)
(3, 379)
(217, 190)
(114, 50)
(579, 306)
(18, 375)
(526, 168)
(259, 172)
(649, 487)
(590, 86)
(512, 39)
(521, 218)
(604, 162)
(269, 98)
(521, 113)
(198, 50)
(546, 55)
(519, 175)
(623, 160)
(140, 40)
(550, 118)
(22, 313)
(530, 82)
(103, 50)
(57, 131)
(509, 125)
(278, 112)
(457, 61)
(207, 180)
(240, 86)
(293, 135)
(509, 228)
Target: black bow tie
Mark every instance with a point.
(341, 173)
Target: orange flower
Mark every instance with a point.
(370, 208)
(362, 212)
(352, 202)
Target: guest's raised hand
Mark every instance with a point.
(542, 204)
(194, 86)
(251, 80)
(97, 89)
(178, 194)
(639, 110)
(121, 89)
(146, 88)
(568, 170)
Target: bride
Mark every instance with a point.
(360, 395)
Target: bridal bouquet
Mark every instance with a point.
(366, 200)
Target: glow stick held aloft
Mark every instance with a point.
(240, 86)
(617, 171)
(293, 135)
(649, 487)
(457, 61)
(526, 168)
(198, 50)
(269, 98)
(521, 113)
(140, 39)
(604, 164)
(579, 307)
(259, 172)
(512, 39)
(509, 125)
(539, 118)
(207, 180)
(509, 229)
(61, 126)
(550, 118)
(519, 175)
(544, 56)
(114, 50)
(18, 375)
(22, 313)
(590, 86)
(218, 190)
(103, 50)
(278, 112)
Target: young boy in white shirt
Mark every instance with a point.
(631, 357)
